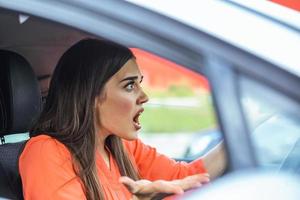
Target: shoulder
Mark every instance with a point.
(44, 143)
(44, 147)
(133, 145)
(139, 150)
(47, 171)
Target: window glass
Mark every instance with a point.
(274, 124)
(179, 117)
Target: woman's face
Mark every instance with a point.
(119, 106)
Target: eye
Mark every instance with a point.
(130, 86)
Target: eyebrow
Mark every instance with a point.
(132, 78)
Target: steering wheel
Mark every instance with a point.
(291, 162)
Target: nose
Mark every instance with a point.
(143, 98)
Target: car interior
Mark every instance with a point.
(28, 53)
(29, 50)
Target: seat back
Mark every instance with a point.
(20, 103)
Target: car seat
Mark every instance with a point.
(20, 103)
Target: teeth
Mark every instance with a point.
(136, 118)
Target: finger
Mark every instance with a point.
(131, 185)
(202, 178)
(192, 181)
(166, 187)
(161, 186)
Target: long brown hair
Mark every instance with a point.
(68, 114)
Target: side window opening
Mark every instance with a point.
(179, 119)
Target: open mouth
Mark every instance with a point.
(136, 120)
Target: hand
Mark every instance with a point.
(147, 190)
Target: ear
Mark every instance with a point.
(97, 112)
(98, 101)
(101, 97)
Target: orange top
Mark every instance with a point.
(47, 173)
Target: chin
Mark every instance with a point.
(131, 136)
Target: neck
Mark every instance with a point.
(101, 148)
(101, 143)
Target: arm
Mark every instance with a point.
(215, 160)
(47, 172)
(147, 190)
(155, 166)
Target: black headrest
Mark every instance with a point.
(20, 97)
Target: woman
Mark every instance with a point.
(86, 136)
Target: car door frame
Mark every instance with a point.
(221, 62)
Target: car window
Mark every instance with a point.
(179, 118)
(274, 124)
